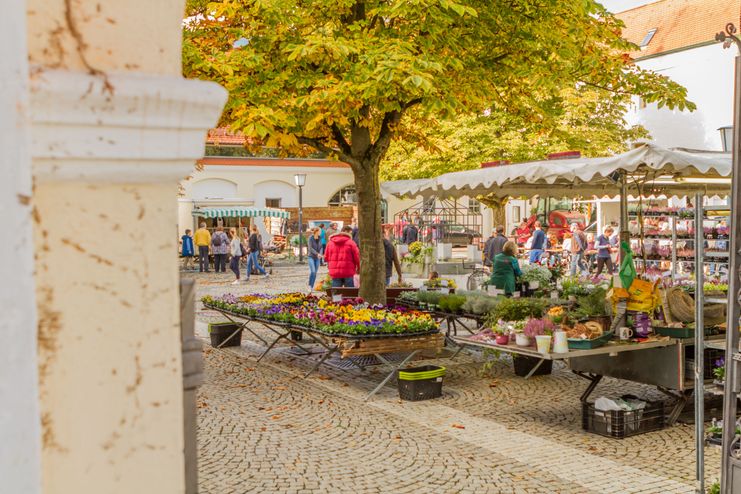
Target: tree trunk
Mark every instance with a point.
(370, 232)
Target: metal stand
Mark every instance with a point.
(699, 345)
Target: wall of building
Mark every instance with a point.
(114, 128)
(707, 73)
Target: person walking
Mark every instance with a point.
(187, 250)
(538, 244)
(343, 259)
(254, 245)
(315, 255)
(202, 240)
(604, 254)
(331, 231)
(578, 247)
(410, 233)
(355, 232)
(494, 245)
(220, 249)
(506, 269)
(235, 249)
(391, 258)
(323, 239)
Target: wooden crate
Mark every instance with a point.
(393, 344)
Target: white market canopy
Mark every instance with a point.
(657, 170)
(240, 212)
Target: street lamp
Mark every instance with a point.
(300, 179)
(726, 138)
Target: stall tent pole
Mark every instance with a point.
(624, 233)
(731, 466)
(699, 348)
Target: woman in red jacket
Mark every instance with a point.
(343, 258)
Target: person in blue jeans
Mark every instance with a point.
(538, 244)
(315, 255)
(253, 259)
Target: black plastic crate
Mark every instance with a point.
(523, 365)
(222, 332)
(709, 358)
(620, 424)
(420, 389)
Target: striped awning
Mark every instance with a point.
(240, 212)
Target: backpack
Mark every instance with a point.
(216, 240)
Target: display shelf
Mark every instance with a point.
(716, 300)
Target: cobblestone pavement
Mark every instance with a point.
(262, 428)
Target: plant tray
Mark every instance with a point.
(578, 344)
(619, 424)
(685, 332)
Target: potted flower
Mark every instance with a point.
(501, 332)
(535, 277)
(720, 372)
(557, 314)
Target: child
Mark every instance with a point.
(187, 251)
(434, 275)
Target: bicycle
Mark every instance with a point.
(478, 277)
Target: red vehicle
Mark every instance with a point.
(559, 222)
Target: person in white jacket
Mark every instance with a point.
(235, 247)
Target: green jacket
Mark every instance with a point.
(505, 269)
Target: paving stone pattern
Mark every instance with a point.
(262, 428)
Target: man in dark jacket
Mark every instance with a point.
(409, 234)
(255, 246)
(494, 245)
(343, 258)
(391, 258)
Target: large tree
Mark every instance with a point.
(590, 120)
(341, 76)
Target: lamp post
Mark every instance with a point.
(300, 179)
(726, 138)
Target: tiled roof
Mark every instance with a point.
(678, 23)
(222, 137)
(277, 162)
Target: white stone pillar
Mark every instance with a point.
(20, 431)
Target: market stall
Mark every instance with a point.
(271, 228)
(646, 171)
(348, 328)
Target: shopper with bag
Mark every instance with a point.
(315, 255)
(235, 247)
(220, 249)
(578, 248)
(343, 258)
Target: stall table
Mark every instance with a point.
(408, 345)
(644, 363)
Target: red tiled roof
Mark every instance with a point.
(222, 137)
(678, 23)
(278, 162)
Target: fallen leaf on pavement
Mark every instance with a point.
(458, 426)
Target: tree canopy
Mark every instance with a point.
(592, 121)
(345, 76)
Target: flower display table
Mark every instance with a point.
(420, 332)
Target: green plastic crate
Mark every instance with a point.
(579, 344)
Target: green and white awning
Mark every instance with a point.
(240, 212)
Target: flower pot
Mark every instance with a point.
(523, 365)
(502, 339)
(522, 339)
(221, 334)
(543, 343)
(560, 342)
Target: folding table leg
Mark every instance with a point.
(392, 373)
(321, 361)
(535, 367)
(280, 337)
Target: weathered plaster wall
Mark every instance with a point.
(109, 344)
(111, 35)
(114, 129)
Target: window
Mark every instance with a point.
(641, 103)
(346, 195)
(516, 216)
(647, 39)
(474, 206)
(272, 203)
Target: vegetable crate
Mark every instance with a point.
(421, 383)
(620, 424)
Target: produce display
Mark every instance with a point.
(349, 317)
